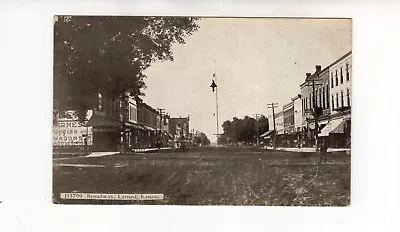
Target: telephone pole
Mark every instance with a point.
(272, 106)
(161, 112)
(257, 115)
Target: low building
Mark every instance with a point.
(147, 118)
(107, 123)
(298, 113)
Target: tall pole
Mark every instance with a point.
(161, 111)
(273, 105)
(216, 98)
(273, 117)
(315, 111)
(257, 115)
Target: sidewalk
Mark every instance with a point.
(142, 150)
(306, 149)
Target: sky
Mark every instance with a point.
(256, 61)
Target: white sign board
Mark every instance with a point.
(71, 133)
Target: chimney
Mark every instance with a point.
(318, 68)
(308, 75)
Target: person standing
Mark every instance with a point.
(323, 150)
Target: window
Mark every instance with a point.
(323, 97)
(320, 98)
(347, 72)
(341, 98)
(348, 97)
(332, 80)
(337, 80)
(341, 75)
(337, 100)
(327, 97)
(333, 103)
(311, 105)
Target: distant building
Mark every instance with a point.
(288, 118)
(179, 129)
(298, 113)
(279, 123)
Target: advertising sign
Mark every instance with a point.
(71, 133)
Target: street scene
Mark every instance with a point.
(202, 111)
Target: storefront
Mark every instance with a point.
(106, 133)
(337, 133)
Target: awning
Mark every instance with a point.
(149, 128)
(339, 129)
(134, 125)
(332, 127)
(103, 121)
(266, 133)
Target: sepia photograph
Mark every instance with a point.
(162, 110)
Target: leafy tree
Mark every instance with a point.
(243, 130)
(202, 139)
(108, 55)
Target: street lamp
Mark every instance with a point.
(215, 89)
(213, 86)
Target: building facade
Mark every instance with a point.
(338, 129)
(288, 118)
(180, 131)
(298, 113)
(315, 102)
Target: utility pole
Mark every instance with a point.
(273, 105)
(161, 112)
(257, 115)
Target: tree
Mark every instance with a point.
(202, 139)
(108, 55)
(243, 130)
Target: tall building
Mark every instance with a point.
(315, 100)
(339, 127)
